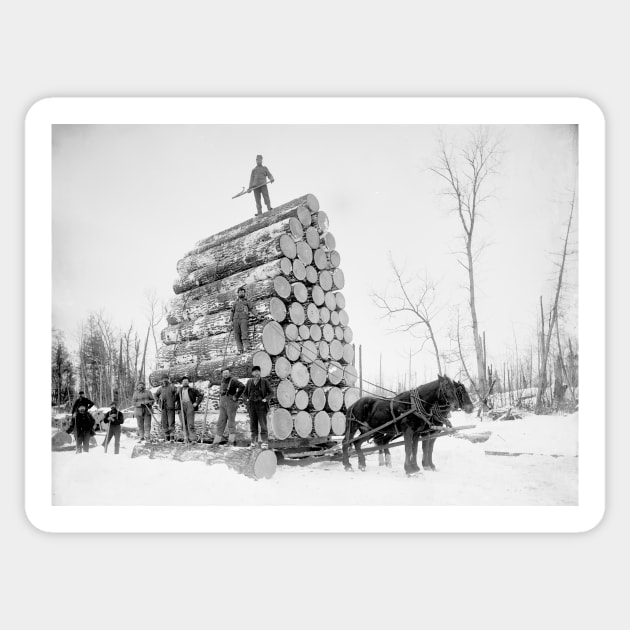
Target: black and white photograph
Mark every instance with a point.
(315, 315)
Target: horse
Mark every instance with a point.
(463, 402)
(431, 403)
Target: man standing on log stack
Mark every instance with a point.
(188, 399)
(258, 183)
(231, 389)
(240, 321)
(167, 400)
(256, 395)
(142, 401)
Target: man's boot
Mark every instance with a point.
(231, 439)
(217, 439)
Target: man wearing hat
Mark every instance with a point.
(142, 401)
(258, 183)
(82, 401)
(168, 403)
(115, 419)
(256, 395)
(188, 399)
(230, 391)
(240, 320)
(82, 426)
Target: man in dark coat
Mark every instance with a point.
(82, 400)
(256, 395)
(115, 419)
(188, 399)
(230, 391)
(168, 403)
(258, 183)
(241, 310)
(82, 427)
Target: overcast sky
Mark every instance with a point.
(130, 200)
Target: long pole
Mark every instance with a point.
(105, 443)
(360, 370)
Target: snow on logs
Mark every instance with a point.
(299, 332)
(254, 463)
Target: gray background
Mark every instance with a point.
(355, 49)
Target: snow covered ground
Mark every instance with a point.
(546, 475)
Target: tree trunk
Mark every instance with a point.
(553, 316)
(299, 375)
(219, 295)
(239, 256)
(303, 424)
(321, 423)
(280, 423)
(268, 309)
(312, 237)
(285, 393)
(282, 367)
(296, 207)
(301, 399)
(338, 423)
(327, 240)
(318, 372)
(254, 463)
(334, 398)
(325, 281)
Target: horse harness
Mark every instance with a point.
(417, 408)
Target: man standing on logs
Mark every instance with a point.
(256, 395)
(115, 419)
(142, 401)
(231, 389)
(168, 402)
(258, 183)
(240, 321)
(188, 399)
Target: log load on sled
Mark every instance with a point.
(299, 332)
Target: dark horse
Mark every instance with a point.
(431, 405)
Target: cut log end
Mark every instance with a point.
(281, 423)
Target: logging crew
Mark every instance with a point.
(256, 395)
(82, 400)
(142, 401)
(168, 403)
(240, 320)
(115, 419)
(188, 399)
(230, 391)
(258, 183)
(82, 427)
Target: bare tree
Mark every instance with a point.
(553, 316)
(62, 370)
(466, 171)
(156, 312)
(415, 306)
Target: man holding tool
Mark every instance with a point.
(258, 183)
(142, 401)
(114, 418)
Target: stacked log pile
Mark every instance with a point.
(299, 329)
